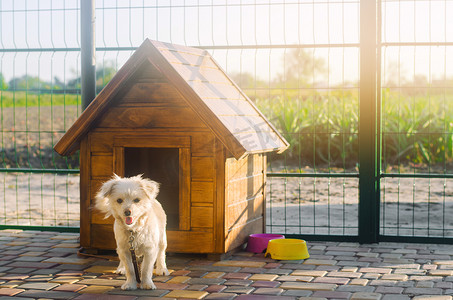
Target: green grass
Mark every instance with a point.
(23, 99)
(322, 128)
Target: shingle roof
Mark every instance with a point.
(216, 99)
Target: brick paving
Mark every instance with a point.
(45, 265)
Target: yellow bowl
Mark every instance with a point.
(287, 249)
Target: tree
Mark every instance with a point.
(3, 85)
(301, 67)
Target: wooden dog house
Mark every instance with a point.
(173, 114)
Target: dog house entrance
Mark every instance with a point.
(161, 165)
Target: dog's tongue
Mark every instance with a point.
(128, 220)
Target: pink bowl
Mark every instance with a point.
(258, 242)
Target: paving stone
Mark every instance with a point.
(344, 274)
(39, 278)
(237, 275)
(101, 269)
(10, 291)
(332, 294)
(39, 286)
(389, 290)
(268, 291)
(423, 291)
(105, 282)
(212, 275)
(295, 278)
(65, 279)
(207, 281)
(179, 279)
(359, 281)
(170, 286)
(266, 284)
(399, 277)
(69, 288)
(366, 296)
(197, 287)
(221, 296)
(215, 288)
(311, 273)
(48, 294)
(376, 270)
(67, 260)
(239, 263)
(431, 297)
(139, 292)
(334, 280)
(319, 262)
(239, 290)
(186, 294)
(238, 282)
(96, 289)
(34, 265)
(263, 297)
(297, 293)
(308, 286)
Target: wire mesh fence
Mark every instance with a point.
(299, 61)
(417, 81)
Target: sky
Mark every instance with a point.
(269, 25)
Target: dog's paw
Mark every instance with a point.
(161, 271)
(129, 286)
(120, 270)
(148, 285)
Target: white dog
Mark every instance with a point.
(139, 224)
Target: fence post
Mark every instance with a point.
(88, 51)
(368, 144)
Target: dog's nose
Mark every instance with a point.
(127, 212)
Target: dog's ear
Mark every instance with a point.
(102, 197)
(150, 187)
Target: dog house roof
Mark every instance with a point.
(216, 99)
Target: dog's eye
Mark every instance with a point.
(119, 200)
(136, 200)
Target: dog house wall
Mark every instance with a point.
(221, 198)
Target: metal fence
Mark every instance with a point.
(310, 66)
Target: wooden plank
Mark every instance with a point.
(102, 237)
(142, 140)
(146, 117)
(202, 217)
(202, 192)
(238, 235)
(184, 188)
(246, 188)
(220, 197)
(151, 92)
(241, 212)
(101, 142)
(85, 192)
(249, 166)
(99, 218)
(190, 242)
(101, 166)
(202, 143)
(203, 168)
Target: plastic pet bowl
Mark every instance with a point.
(258, 242)
(287, 249)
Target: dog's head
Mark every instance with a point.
(126, 199)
